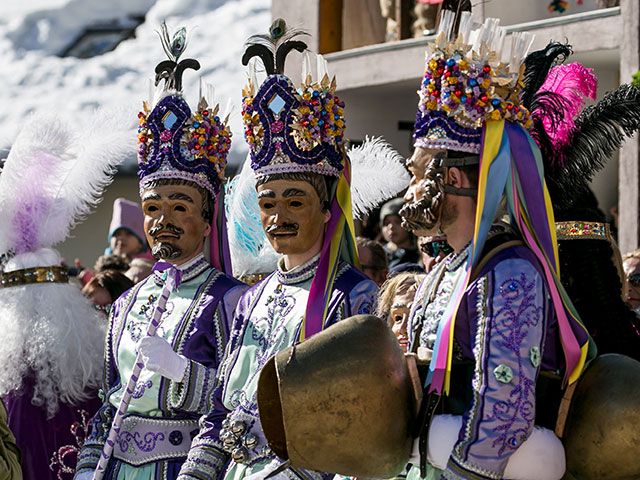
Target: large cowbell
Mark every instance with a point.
(341, 401)
(602, 434)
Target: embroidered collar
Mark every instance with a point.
(454, 260)
(190, 270)
(298, 274)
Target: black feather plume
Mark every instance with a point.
(274, 47)
(537, 66)
(599, 131)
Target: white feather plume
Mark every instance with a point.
(54, 176)
(251, 252)
(378, 173)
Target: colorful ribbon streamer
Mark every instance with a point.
(339, 244)
(508, 154)
(219, 254)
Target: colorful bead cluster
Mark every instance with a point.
(252, 131)
(145, 138)
(466, 90)
(204, 136)
(583, 230)
(292, 129)
(320, 118)
(207, 137)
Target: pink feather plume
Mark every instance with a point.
(573, 82)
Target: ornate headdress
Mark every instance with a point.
(471, 101)
(301, 130)
(290, 129)
(468, 82)
(173, 141)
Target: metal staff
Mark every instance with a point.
(172, 280)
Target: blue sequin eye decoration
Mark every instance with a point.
(169, 119)
(276, 104)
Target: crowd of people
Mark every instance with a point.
(160, 363)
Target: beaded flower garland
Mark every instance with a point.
(195, 144)
(465, 90)
(290, 130)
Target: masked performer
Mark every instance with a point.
(492, 320)
(296, 141)
(52, 337)
(182, 156)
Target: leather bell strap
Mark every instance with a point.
(461, 162)
(462, 192)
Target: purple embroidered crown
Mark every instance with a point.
(289, 129)
(173, 142)
(466, 84)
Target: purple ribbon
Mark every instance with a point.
(173, 278)
(173, 274)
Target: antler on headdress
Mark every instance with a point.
(274, 48)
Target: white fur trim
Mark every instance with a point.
(540, 457)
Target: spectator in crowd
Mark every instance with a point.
(126, 231)
(432, 250)
(394, 303)
(139, 269)
(400, 243)
(105, 288)
(373, 260)
(112, 261)
(120, 263)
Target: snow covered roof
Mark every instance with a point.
(35, 78)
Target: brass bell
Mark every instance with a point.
(228, 448)
(240, 455)
(250, 441)
(230, 443)
(226, 423)
(226, 435)
(238, 427)
(357, 371)
(266, 451)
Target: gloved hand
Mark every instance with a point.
(84, 476)
(159, 357)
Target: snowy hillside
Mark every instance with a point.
(35, 78)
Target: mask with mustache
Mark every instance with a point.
(424, 214)
(284, 227)
(165, 250)
(169, 228)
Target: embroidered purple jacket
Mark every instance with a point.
(267, 320)
(204, 304)
(507, 327)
